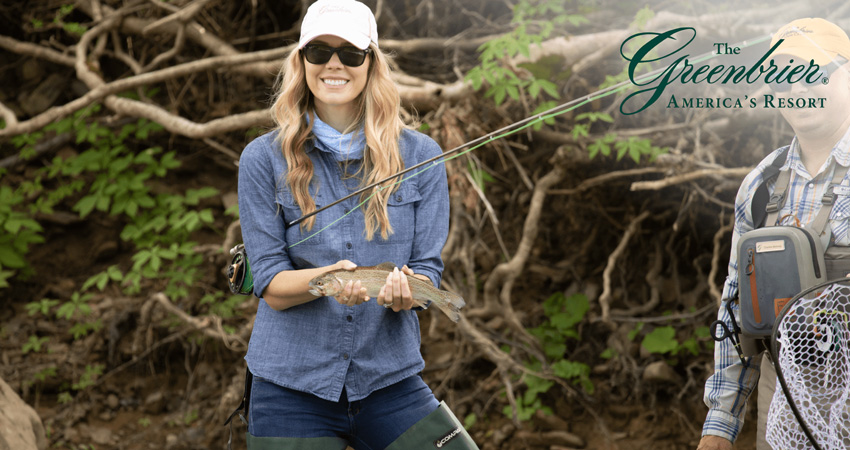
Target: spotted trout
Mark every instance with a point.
(374, 278)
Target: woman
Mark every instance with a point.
(332, 372)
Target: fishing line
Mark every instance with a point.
(495, 135)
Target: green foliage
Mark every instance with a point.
(636, 148)
(82, 329)
(223, 305)
(144, 422)
(113, 273)
(563, 314)
(77, 303)
(64, 398)
(71, 27)
(111, 175)
(19, 232)
(469, 421)
(233, 211)
(533, 21)
(44, 374)
(43, 306)
(635, 331)
(34, 344)
(88, 378)
(663, 341)
(159, 225)
(190, 417)
(529, 403)
(608, 353)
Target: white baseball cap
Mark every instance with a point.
(346, 19)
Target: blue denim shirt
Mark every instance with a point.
(321, 346)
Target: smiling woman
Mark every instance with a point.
(335, 85)
(331, 372)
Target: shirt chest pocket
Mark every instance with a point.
(401, 208)
(839, 220)
(296, 234)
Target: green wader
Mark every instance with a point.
(438, 430)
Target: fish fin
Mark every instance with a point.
(388, 266)
(451, 305)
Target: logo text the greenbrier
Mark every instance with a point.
(683, 71)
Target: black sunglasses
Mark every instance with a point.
(824, 72)
(321, 54)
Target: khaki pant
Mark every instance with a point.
(767, 386)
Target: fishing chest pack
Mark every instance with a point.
(775, 263)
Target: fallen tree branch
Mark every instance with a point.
(605, 298)
(654, 283)
(35, 50)
(716, 292)
(101, 90)
(604, 178)
(207, 325)
(690, 176)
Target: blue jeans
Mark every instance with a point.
(369, 424)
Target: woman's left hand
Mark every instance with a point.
(395, 293)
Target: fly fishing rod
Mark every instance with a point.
(499, 134)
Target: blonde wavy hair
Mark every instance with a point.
(379, 112)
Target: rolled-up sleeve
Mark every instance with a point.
(260, 216)
(728, 389)
(432, 215)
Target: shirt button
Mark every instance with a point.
(349, 318)
(345, 356)
(348, 245)
(398, 198)
(347, 210)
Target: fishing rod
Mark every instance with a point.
(499, 134)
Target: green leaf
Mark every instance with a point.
(637, 329)
(114, 273)
(207, 215)
(661, 340)
(570, 369)
(469, 421)
(608, 353)
(11, 258)
(85, 205)
(691, 345)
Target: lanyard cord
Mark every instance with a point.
(495, 135)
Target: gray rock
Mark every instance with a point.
(660, 372)
(102, 436)
(112, 401)
(20, 426)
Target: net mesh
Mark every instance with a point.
(815, 361)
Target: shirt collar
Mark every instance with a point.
(840, 153)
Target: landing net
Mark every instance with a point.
(814, 359)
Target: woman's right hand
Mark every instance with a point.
(349, 296)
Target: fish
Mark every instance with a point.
(373, 278)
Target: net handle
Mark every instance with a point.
(774, 349)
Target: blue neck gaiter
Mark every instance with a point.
(343, 147)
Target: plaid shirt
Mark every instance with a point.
(727, 390)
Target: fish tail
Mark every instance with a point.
(451, 304)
